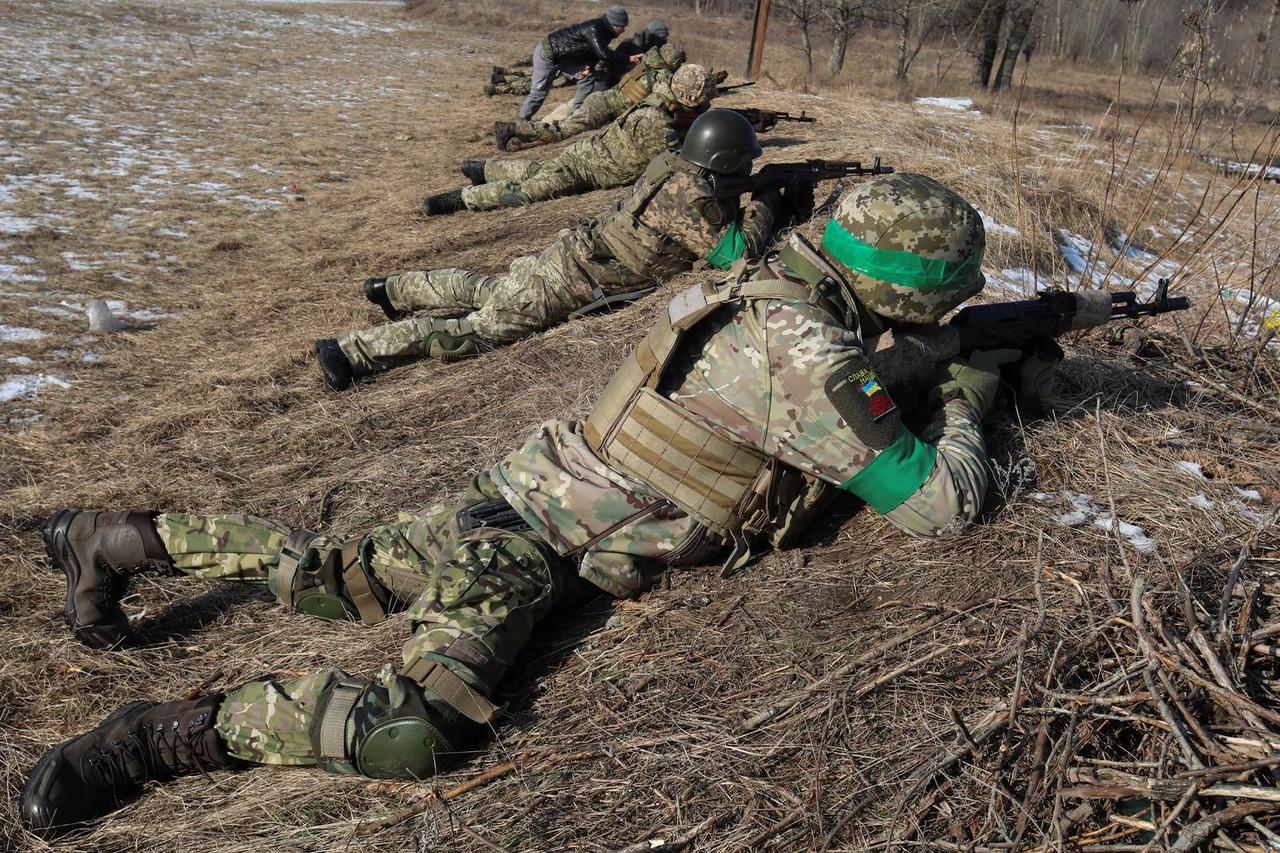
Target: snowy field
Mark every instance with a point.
(131, 132)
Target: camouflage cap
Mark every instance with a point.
(914, 247)
(693, 85)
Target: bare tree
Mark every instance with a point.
(914, 21)
(1018, 40)
(844, 16)
(805, 15)
(990, 20)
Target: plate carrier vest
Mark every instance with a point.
(641, 248)
(731, 489)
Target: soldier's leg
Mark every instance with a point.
(536, 293)
(585, 85)
(560, 176)
(503, 179)
(487, 591)
(514, 169)
(544, 71)
(594, 113)
(445, 289)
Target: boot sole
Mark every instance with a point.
(62, 559)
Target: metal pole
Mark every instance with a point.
(756, 54)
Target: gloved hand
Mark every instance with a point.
(1036, 373)
(798, 201)
(975, 378)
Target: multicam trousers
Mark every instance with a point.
(471, 597)
(516, 182)
(537, 292)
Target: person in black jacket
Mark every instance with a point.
(628, 52)
(573, 50)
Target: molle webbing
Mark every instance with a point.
(643, 249)
(721, 482)
(635, 84)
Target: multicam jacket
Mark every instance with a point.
(773, 375)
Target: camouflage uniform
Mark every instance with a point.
(675, 207)
(600, 108)
(611, 158)
(758, 372)
(774, 366)
(520, 82)
(471, 597)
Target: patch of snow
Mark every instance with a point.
(28, 385)
(1136, 535)
(955, 104)
(19, 333)
(1192, 468)
(1201, 500)
(992, 226)
(1248, 494)
(1071, 519)
(20, 360)
(1255, 517)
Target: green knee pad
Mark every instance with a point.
(449, 348)
(320, 577)
(405, 748)
(398, 732)
(511, 197)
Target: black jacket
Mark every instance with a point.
(587, 42)
(619, 62)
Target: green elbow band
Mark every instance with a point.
(901, 268)
(895, 474)
(731, 247)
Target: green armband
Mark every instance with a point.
(731, 247)
(895, 474)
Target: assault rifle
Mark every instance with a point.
(780, 175)
(1011, 325)
(724, 90)
(763, 120)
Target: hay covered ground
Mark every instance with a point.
(228, 172)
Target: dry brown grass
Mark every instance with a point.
(625, 724)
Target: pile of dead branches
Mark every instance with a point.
(1158, 730)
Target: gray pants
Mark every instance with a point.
(544, 72)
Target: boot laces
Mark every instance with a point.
(152, 750)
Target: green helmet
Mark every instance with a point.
(721, 140)
(912, 247)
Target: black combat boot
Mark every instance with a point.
(94, 774)
(98, 552)
(450, 202)
(375, 290)
(334, 364)
(503, 133)
(474, 171)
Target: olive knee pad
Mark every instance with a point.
(449, 348)
(401, 731)
(514, 198)
(320, 577)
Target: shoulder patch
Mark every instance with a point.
(865, 405)
(713, 212)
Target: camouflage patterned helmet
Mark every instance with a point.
(671, 55)
(693, 85)
(912, 246)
